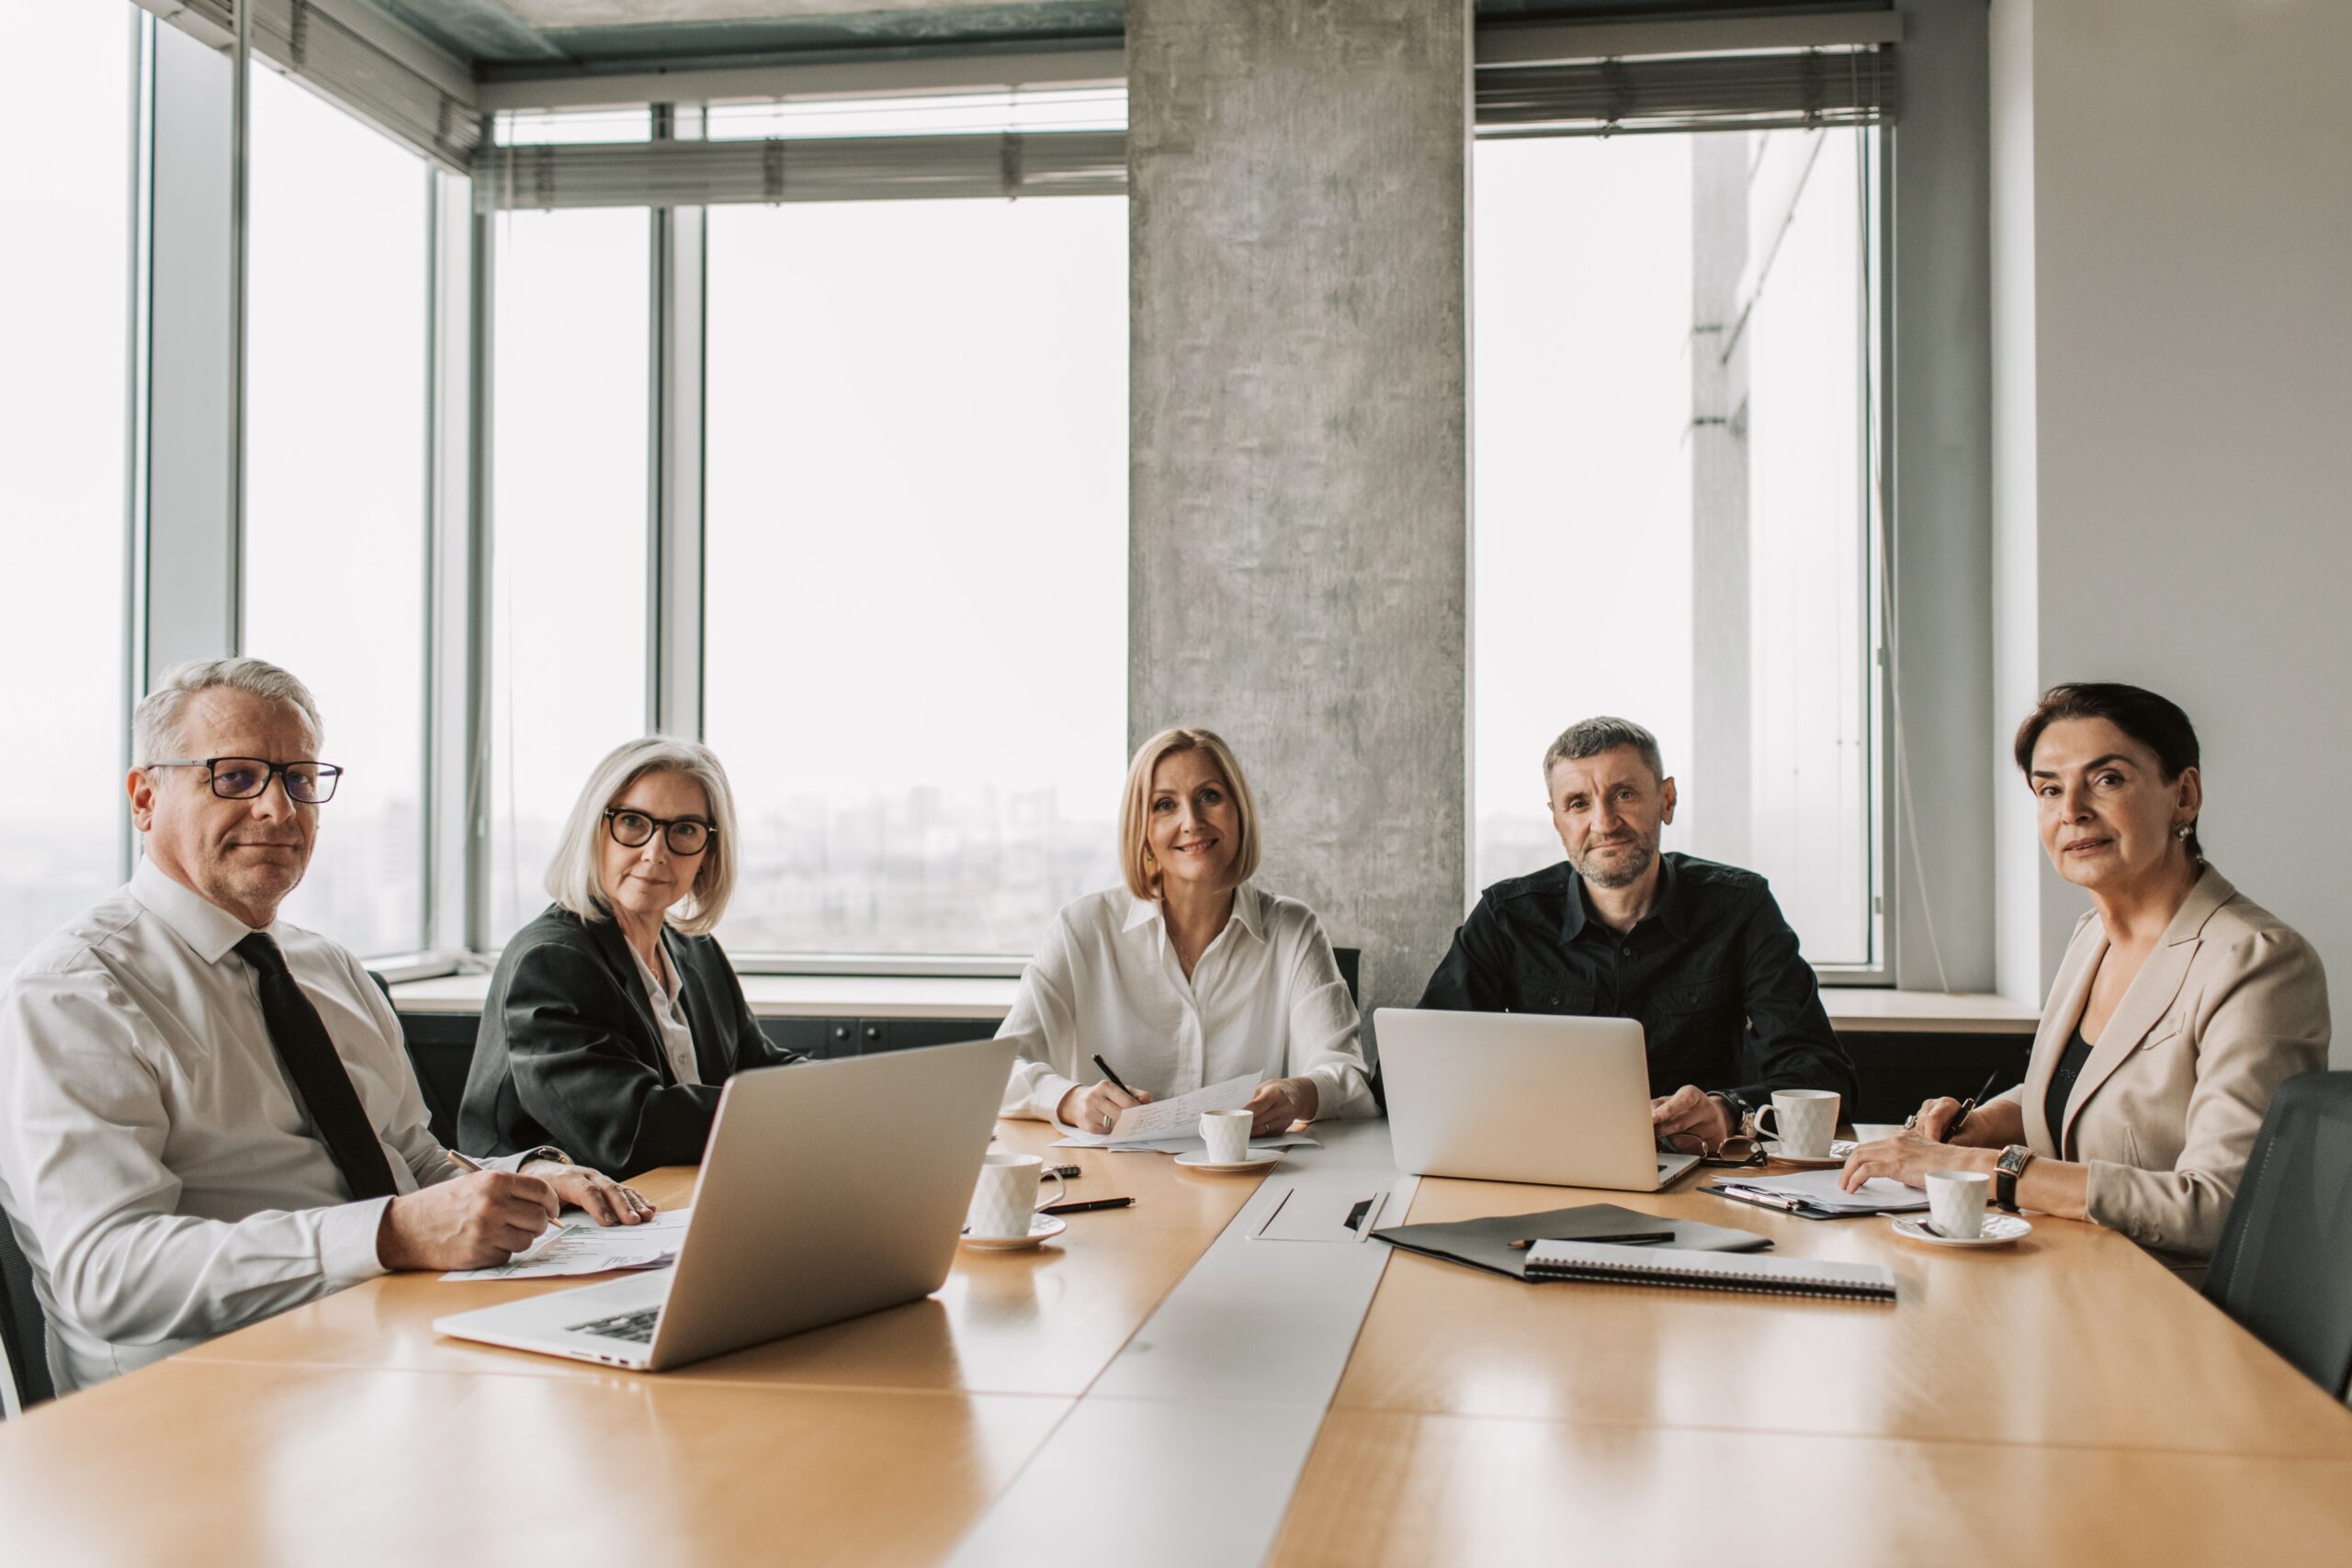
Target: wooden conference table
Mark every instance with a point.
(2066, 1400)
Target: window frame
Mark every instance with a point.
(196, 543)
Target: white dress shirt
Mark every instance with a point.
(1266, 998)
(668, 1017)
(156, 1165)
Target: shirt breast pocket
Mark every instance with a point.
(1695, 998)
(1569, 1001)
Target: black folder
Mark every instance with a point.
(1485, 1244)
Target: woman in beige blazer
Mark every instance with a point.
(2181, 1006)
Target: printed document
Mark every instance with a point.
(1177, 1118)
(578, 1245)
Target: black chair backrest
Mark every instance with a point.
(440, 1050)
(1351, 962)
(23, 1331)
(2284, 1265)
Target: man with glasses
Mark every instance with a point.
(1697, 952)
(209, 1115)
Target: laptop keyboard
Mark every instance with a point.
(637, 1326)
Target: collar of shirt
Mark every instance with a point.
(1249, 912)
(209, 930)
(1666, 909)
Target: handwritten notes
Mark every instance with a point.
(578, 1245)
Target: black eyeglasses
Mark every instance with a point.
(685, 835)
(244, 778)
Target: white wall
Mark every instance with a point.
(2174, 406)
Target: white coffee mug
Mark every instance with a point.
(1005, 1201)
(1227, 1132)
(1956, 1202)
(1805, 1120)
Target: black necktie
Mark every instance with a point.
(300, 1036)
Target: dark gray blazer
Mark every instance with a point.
(568, 1055)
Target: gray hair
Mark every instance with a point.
(572, 881)
(1591, 736)
(155, 723)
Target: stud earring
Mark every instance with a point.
(2183, 831)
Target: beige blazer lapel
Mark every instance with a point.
(2068, 992)
(2150, 994)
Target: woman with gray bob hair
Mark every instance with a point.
(614, 1017)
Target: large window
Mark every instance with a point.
(336, 511)
(916, 589)
(67, 273)
(568, 527)
(1674, 465)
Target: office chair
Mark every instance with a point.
(23, 1332)
(2284, 1266)
(441, 1053)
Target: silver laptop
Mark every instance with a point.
(1522, 1096)
(828, 1190)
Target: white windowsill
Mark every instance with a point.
(912, 996)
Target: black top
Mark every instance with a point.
(2062, 1083)
(568, 1052)
(1713, 967)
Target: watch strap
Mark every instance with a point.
(2005, 1176)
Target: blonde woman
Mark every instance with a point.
(1187, 975)
(614, 1017)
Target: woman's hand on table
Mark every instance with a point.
(1908, 1156)
(1281, 1101)
(1095, 1107)
(608, 1202)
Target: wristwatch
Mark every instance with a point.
(2011, 1166)
(546, 1152)
(1736, 1108)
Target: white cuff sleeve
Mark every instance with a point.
(347, 1243)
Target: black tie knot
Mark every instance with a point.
(261, 953)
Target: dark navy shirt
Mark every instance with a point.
(1711, 973)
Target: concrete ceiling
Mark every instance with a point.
(545, 14)
(543, 37)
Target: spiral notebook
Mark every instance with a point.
(1606, 1263)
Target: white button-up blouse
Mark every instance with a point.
(1266, 998)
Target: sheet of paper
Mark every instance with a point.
(1819, 1187)
(1179, 1117)
(1191, 1145)
(578, 1245)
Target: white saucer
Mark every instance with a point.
(1836, 1154)
(1042, 1227)
(1999, 1230)
(1259, 1160)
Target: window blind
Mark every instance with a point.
(867, 168)
(1700, 91)
(359, 59)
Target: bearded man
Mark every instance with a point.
(1698, 954)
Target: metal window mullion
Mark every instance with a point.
(189, 591)
(472, 851)
(674, 554)
(451, 631)
(139, 305)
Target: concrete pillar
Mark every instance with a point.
(1720, 767)
(1299, 412)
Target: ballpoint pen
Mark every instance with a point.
(1760, 1195)
(1082, 1205)
(1641, 1239)
(468, 1163)
(1113, 1078)
(1969, 1105)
